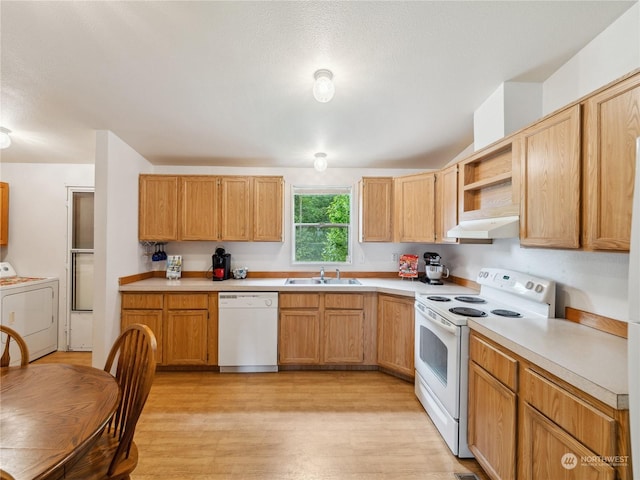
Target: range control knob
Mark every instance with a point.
(539, 288)
(529, 285)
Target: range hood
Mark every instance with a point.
(487, 228)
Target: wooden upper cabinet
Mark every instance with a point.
(4, 213)
(198, 207)
(446, 203)
(235, 208)
(158, 208)
(414, 208)
(267, 209)
(376, 199)
(611, 124)
(550, 169)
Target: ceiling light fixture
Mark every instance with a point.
(323, 88)
(320, 162)
(5, 139)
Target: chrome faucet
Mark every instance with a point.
(322, 274)
(338, 273)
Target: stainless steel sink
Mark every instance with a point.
(341, 281)
(326, 281)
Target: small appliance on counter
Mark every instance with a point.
(434, 271)
(221, 265)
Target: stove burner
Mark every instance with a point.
(471, 299)
(506, 313)
(437, 298)
(467, 312)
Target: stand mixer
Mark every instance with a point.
(434, 270)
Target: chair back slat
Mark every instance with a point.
(132, 361)
(10, 333)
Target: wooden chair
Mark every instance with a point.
(115, 455)
(10, 333)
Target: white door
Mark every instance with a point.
(80, 268)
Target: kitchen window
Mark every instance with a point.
(321, 224)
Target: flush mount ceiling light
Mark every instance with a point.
(323, 88)
(320, 162)
(5, 139)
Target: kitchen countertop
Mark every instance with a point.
(591, 360)
(408, 288)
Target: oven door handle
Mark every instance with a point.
(449, 328)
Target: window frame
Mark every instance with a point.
(323, 190)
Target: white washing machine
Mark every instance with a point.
(29, 306)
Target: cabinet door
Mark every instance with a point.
(550, 168)
(299, 337)
(158, 208)
(396, 334)
(492, 417)
(235, 205)
(343, 336)
(612, 123)
(376, 194)
(414, 208)
(198, 207)
(151, 318)
(446, 203)
(4, 213)
(186, 342)
(267, 209)
(550, 452)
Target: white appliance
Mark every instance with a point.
(248, 331)
(442, 342)
(634, 323)
(29, 306)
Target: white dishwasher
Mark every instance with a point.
(248, 331)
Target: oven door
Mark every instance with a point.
(437, 356)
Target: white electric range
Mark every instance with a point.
(442, 341)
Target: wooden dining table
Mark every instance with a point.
(50, 415)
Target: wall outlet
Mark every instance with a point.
(395, 257)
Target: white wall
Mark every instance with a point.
(117, 251)
(511, 107)
(38, 222)
(612, 54)
(595, 282)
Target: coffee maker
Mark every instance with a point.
(434, 270)
(221, 265)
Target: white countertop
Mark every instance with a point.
(392, 286)
(591, 360)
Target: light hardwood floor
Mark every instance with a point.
(287, 426)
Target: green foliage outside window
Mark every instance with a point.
(321, 226)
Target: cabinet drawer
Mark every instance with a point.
(188, 301)
(344, 301)
(584, 422)
(299, 300)
(497, 363)
(142, 301)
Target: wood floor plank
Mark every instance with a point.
(328, 425)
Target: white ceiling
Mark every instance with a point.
(229, 83)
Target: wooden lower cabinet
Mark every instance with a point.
(396, 333)
(186, 342)
(150, 318)
(526, 424)
(326, 329)
(185, 325)
(550, 452)
(343, 336)
(299, 337)
(492, 418)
